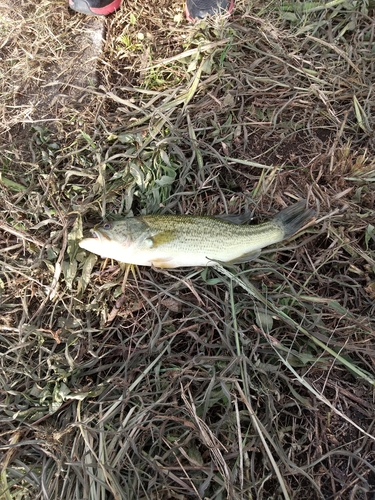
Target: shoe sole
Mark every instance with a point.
(83, 7)
(210, 10)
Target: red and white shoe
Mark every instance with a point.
(199, 9)
(95, 7)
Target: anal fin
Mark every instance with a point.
(246, 257)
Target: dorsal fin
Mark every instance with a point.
(236, 218)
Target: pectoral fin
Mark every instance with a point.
(161, 238)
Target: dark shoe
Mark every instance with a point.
(95, 7)
(198, 9)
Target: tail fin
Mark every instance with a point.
(293, 218)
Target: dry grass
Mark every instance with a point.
(249, 382)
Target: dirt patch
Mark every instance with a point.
(44, 78)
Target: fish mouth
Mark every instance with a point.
(96, 233)
(91, 236)
(92, 242)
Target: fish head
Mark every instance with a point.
(121, 240)
(111, 240)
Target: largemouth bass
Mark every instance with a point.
(170, 241)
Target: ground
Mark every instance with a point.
(251, 381)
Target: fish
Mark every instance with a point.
(172, 241)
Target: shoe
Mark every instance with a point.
(199, 9)
(95, 7)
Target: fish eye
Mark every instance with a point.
(107, 225)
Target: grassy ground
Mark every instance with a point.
(250, 382)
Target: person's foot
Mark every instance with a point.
(199, 9)
(95, 7)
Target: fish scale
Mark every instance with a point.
(171, 241)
